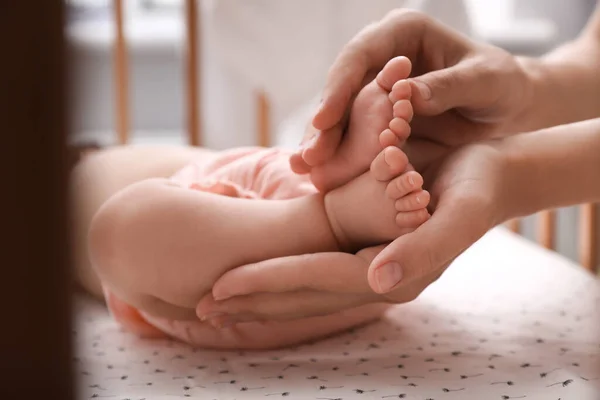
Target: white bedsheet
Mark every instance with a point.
(509, 320)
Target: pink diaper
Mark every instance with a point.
(264, 172)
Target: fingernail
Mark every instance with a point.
(211, 316)
(423, 89)
(388, 276)
(220, 296)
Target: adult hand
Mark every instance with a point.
(467, 187)
(468, 91)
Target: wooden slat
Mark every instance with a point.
(546, 228)
(192, 73)
(514, 225)
(121, 75)
(263, 120)
(588, 241)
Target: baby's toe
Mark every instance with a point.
(401, 128)
(413, 201)
(396, 69)
(388, 164)
(388, 138)
(400, 91)
(406, 183)
(403, 109)
(412, 219)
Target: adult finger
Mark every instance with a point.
(457, 223)
(401, 33)
(484, 85)
(322, 146)
(332, 272)
(279, 306)
(368, 51)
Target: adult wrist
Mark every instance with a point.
(563, 86)
(540, 94)
(514, 169)
(550, 168)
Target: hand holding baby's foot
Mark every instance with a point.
(375, 122)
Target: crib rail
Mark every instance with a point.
(546, 229)
(192, 81)
(588, 239)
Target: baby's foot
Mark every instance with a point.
(384, 168)
(374, 124)
(369, 210)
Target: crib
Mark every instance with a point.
(535, 337)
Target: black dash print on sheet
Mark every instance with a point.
(398, 366)
(470, 376)
(563, 383)
(446, 390)
(439, 369)
(323, 387)
(245, 388)
(528, 365)
(545, 374)
(362, 391)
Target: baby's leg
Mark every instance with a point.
(100, 175)
(374, 123)
(368, 211)
(160, 246)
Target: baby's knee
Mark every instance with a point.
(117, 237)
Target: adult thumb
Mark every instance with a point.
(429, 249)
(462, 85)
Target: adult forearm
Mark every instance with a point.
(565, 82)
(552, 168)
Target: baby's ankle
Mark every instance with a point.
(331, 204)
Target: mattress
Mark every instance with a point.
(508, 320)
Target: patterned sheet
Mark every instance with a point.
(508, 321)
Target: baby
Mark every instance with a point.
(159, 245)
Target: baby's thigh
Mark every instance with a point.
(268, 335)
(100, 175)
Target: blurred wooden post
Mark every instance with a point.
(192, 73)
(588, 238)
(121, 75)
(263, 119)
(546, 228)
